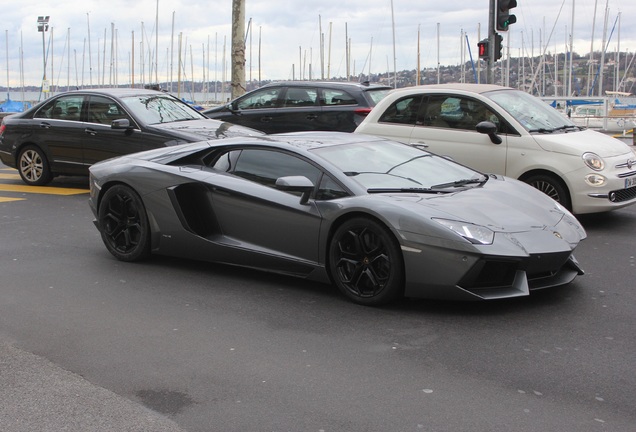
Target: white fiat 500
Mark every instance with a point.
(505, 131)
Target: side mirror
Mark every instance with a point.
(490, 129)
(296, 184)
(233, 108)
(121, 124)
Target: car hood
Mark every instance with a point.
(577, 143)
(196, 130)
(506, 205)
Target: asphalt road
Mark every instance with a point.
(169, 344)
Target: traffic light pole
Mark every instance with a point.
(491, 41)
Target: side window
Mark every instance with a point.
(265, 98)
(300, 96)
(402, 111)
(465, 113)
(329, 189)
(104, 110)
(62, 108)
(454, 112)
(338, 97)
(433, 112)
(265, 166)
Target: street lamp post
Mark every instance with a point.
(43, 27)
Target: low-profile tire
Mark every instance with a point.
(365, 262)
(552, 187)
(123, 223)
(33, 166)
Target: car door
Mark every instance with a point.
(57, 130)
(101, 141)
(257, 110)
(446, 125)
(253, 214)
(339, 110)
(398, 120)
(299, 111)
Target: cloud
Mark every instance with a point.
(285, 36)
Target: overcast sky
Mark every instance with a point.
(288, 32)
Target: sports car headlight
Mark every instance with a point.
(476, 234)
(593, 161)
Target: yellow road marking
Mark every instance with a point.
(42, 190)
(9, 176)
(5, 199)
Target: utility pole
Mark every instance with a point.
(238, 48)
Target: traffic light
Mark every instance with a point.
(498, 46)
(482, 47)
(503, 18)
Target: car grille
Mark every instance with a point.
(621, 195)
(492, 278)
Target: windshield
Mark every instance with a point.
(533, 114)
(155, 109)
(377, 95)
(391, 165)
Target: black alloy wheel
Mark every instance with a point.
(33, 166)
(123, 224)
(365, 262)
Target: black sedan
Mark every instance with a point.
(378, 218)
(67, 133)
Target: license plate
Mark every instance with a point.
(629, 182)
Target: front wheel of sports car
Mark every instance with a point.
(365, 262)
(123, 224)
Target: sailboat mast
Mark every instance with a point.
(591, 59)
(394, 58)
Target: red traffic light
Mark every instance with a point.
(482, 48)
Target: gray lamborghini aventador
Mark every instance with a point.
(377, 218)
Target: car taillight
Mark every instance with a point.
(362, 111)
(2, 128)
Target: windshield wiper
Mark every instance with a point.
(463, 182)
(542, 130)
(405, 190)
(566, 127)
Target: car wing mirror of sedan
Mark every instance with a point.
(121, 124)
(490, 129)
(296, 184)
(233, 108)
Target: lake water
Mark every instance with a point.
(205, 99)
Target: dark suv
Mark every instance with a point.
(292, 106)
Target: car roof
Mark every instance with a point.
(465, 87)
(334, 84)
(115, 91)
(298, 141)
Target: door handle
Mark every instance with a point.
(312, 116)
(45, 125)
(90, 131)
(266, 119)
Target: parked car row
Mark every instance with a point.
(490, 128)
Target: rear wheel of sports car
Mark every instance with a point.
(552, 187)
(123, 224)
(365, 262)
(33, 166)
